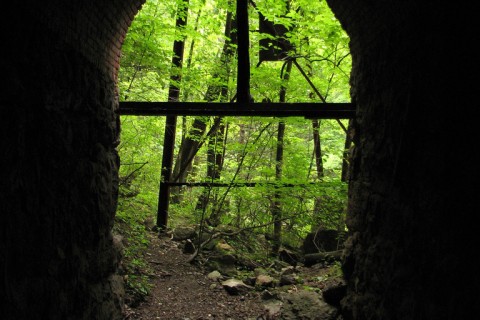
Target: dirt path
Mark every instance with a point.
(183, 291)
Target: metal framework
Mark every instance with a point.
(242, 105)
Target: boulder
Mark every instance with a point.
(214, 275)
(264, 281)
(306, 305)
(236, 287)
(334, 292)
(183, 233)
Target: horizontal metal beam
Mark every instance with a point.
(307, 110)
(245, 184)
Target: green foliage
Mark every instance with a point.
(130, 221)
(320, 47)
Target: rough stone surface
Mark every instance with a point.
(215, 275)
(236, 287)
(59, 130)
(183, 233)
(306, 305)
(264, 281)
(406, 226)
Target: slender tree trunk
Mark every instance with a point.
(214, 167)
(171, 121)
(277, 206)
(317, 150)
(317, 155)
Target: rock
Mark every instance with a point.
(334, 293)
(183, 233)
(287, 270)
(225, 263)
(236, 287)
(272, 308)
(214, 276)
(264, 281)
(306, 305)
(288, 279)
(222, 246)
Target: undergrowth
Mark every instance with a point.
(130, 223)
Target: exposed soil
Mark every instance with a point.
(182, 291)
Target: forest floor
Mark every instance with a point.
(181, 290)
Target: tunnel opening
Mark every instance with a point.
(312, 191)
(410, 210)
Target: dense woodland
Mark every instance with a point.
(282, 177)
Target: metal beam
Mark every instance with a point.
(243, 56)
(307, 110)
(242, 184)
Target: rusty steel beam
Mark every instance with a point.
(307, 110)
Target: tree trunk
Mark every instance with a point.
(277, 206)
(317, 150)
(214, 167)
(171, 121)
(317, 154)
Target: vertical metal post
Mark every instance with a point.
(243, 74)
(166, 172)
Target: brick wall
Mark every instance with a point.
(409, 196)
(58, 131)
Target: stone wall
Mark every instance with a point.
(59, 130)
(408, 197)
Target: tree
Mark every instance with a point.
(216, 91)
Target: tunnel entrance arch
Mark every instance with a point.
(411, 252)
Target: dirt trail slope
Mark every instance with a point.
(182, 291)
